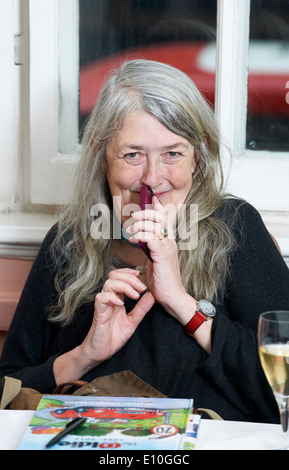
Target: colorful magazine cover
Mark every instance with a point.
(120, 423)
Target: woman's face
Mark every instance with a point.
(145, 152)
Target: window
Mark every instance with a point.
(181, 33)
(221, 40)
(268, 110)
(261, 177)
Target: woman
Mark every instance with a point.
(95, 304)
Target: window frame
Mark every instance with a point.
(51, 171)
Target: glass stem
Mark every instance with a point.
(284, 412)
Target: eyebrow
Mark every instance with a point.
(164, 148)
(177, 144)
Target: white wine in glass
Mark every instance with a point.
(273, 346)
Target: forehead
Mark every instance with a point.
(142, 128)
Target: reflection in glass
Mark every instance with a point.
(179, 33)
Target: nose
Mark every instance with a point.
(152, 173)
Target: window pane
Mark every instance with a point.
(268, 84)
(181, 33)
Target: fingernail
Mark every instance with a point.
(158, 200)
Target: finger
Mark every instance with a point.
(144, 232)
(121, 271)
(141, 308)
(158, 214)
(149, 214)
(123, 287)
(158, 205)
(129, 277)
(145, 226)
(124, 274)
(105, 298)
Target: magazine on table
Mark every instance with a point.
(120, 423)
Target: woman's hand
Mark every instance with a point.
(163, 275)
(111, 327)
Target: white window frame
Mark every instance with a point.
(51, 170)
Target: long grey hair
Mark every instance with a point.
(170, 96)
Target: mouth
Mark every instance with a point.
(160, 195)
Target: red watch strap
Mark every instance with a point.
(195, 322)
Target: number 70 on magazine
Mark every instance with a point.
(164, 430)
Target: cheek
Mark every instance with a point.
(122, 187)
(125, 184)
(182, 179)
(118, 180)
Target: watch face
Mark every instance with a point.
(207, 308)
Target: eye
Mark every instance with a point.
(172, 156)
(133, 157)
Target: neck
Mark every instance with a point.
(128, 253)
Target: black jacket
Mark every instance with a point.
(229, 381)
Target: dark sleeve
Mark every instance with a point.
(258, 282)
(27, 352)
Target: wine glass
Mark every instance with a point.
(273, 347)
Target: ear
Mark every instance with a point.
(94, 144)
(205, 140)
(195, 159)
(199, 148)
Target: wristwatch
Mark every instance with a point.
(205, 310)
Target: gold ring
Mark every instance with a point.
(163, 233)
